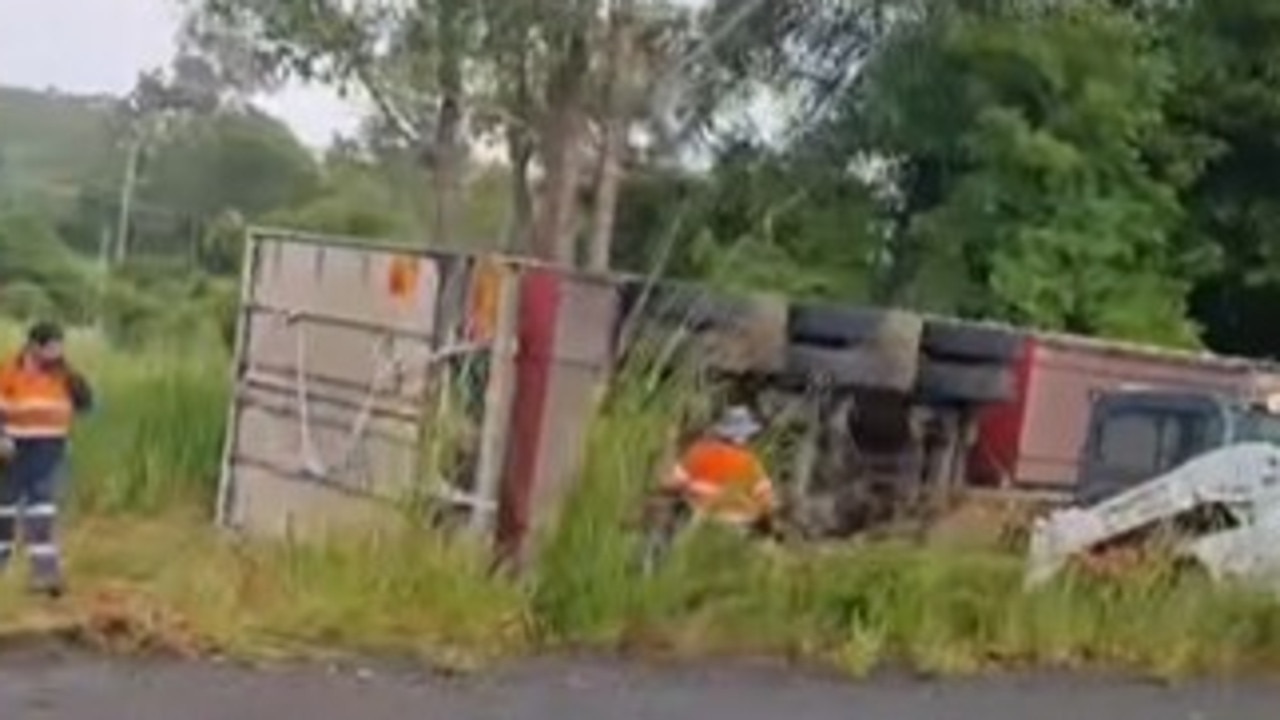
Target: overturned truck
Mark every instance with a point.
(371, 377)
(882, 404)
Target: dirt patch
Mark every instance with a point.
(988, 523)
(118, 621)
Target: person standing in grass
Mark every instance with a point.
(40, 395)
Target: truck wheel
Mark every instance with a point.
(843, 368)
(832, 326)
(957, 341)
(966, 383)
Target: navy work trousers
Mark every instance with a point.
(29, 504)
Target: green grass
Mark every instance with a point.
(857, 606)
(149, 568)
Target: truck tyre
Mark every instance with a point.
(958, 341)
(832, 326)
(842, 368)
(952, 382)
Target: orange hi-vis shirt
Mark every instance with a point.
(725, 480)
(34, 403)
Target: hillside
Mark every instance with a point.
(52, 139)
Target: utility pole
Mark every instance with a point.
(126, 199)
(104, 275)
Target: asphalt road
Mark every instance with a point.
(59, 686)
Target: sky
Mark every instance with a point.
(100, 46)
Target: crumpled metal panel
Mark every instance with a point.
(322, 322)
(1243, 478)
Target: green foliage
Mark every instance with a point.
(247, 162)
(1093, 166)
(64, 160)
(588, 581)
(31, 254)
(353, 201)
(760, 222)
(1023, 143)
(192, 177)
(26, 301)
(156, 438)
(391, 200)
(150, 302)
(221, 249)
(1229, 102)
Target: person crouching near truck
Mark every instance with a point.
(721, 477)
(40, 395)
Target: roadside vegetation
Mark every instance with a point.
(1093, 166)
(151, 573)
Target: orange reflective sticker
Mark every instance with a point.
(482, 303)
(402, 277)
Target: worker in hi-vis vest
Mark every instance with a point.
(40, 394)
(721, 476)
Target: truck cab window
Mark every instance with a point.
(1129, 442)
(1152, 441)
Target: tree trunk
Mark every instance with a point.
(554, 238)
(520, 150)
(616, 122)
(449, 153)
(520, 155)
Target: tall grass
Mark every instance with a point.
(155, 437)
(858, 606)
(142, 549)
(153, 440)
(587, 582)
(146, 560)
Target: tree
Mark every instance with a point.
(443, 74)
(198, 168)
(160, 100)
(760, 220)
(409, 60)
(244, 161)
(1025, 145)
(1228, 100)
(32, 256)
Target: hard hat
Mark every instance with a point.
(737, 424)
